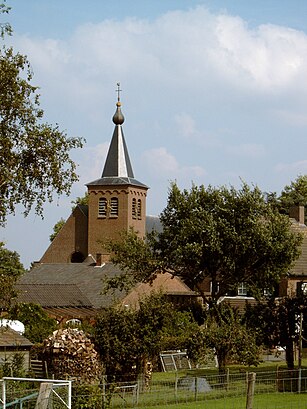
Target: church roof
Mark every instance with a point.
(52, 295)
(117, 169)
(82, 281)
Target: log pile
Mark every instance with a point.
(71, 354)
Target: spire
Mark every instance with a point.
(118, 162)
(117, 169)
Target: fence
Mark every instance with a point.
(288, 389)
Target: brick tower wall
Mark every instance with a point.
(108, 227)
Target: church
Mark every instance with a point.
(68, 280)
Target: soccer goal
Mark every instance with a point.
(43, 393)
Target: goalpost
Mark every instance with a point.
(42, 391)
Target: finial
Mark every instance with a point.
(118, 117)
(118, 94)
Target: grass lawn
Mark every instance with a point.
(266, 401)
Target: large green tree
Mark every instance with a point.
(10, 270)
(225, 235)
(225, 332)
(128, 338)
(35, 158)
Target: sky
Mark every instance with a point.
(213, 93)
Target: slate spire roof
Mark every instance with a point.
(117, 169)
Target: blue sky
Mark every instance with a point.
(214, 92)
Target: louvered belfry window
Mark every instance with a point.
(133, 208)
(139, 209)
(114, 207)
(102, 207)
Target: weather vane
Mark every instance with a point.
(118, 91)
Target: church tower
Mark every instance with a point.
(117, 201)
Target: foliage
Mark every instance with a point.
(276, 323)
(56, 228)
(136, 259)
(13, 365)
(87, 397)
(35, 162)
(225, 332)
(127, 338)
(80, 200)
(10, 270)
(224, 235)
(5, 28)
(38, 325)
(294, 194)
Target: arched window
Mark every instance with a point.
(102, 207)
(114, 207)
(139, 209)
(133, 208)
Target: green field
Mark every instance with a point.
(266, 401)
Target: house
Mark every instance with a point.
(296, 281)
(293, 284)
(68, 280)
(12, 342)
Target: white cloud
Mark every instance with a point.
(268, 57)
(249, 150)
(182, 48)
(293, 118)
(162, 164)
(90, 162)
(187, 127)
(293, 168)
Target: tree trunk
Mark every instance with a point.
(221, 359)
(290, 354)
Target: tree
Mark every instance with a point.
(80, 200)
(34, 155)
(225, 332)
(294, 194)
(10, 270)
(128, 338)
(276, 323)
(56, 228)
(224, 235)
(38, 325)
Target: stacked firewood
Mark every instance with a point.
(71, 354)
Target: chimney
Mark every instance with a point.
(98, 259)
(298, 213)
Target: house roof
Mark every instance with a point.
(75, 289)
(83, 282)
(11, 338)
(53, 295)
(164, 283)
